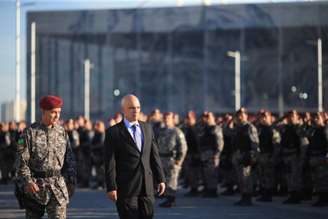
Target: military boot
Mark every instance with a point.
(294, 198)
(246, 200)
(168, 203)
(322, 201)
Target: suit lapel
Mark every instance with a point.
(143, 129)
(127, 137)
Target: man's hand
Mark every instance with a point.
(112, 195)
(161, 189)
(32, 188)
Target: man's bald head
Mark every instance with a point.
(128, 98)
(131, 107)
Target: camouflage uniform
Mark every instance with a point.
(45, 158)
(211, 145)
(172, 147)
(293, 142)
(269, 139)
(318, 159)
(246, 143)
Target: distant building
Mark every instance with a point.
(176, 58)
(8, 111)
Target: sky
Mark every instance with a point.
(7, 29)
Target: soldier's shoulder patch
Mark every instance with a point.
(20, 141)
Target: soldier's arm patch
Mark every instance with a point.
(20, 141)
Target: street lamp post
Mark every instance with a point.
(236, 56)
(87, 71)
(17, 105)
(33, 70)
(320, 85)
(318, 43)
(18, 55)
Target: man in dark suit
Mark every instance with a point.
(132, 164)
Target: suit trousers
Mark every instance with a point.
(141, 207)
(136, 207)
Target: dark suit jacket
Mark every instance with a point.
(126, 168)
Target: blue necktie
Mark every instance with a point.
(136, 137)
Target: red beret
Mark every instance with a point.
(50, 102)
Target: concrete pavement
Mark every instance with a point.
(93, 204)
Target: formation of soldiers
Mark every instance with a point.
(259, 155)
(254, 155)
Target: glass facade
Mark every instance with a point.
(176, 58)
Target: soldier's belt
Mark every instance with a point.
(169, 154)
(46, 174)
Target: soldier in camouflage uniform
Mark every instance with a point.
(293, 142)
(318, 159)
(172, 150)
(45, 171)
(269, 139)
(211, 145)
(246, 144)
